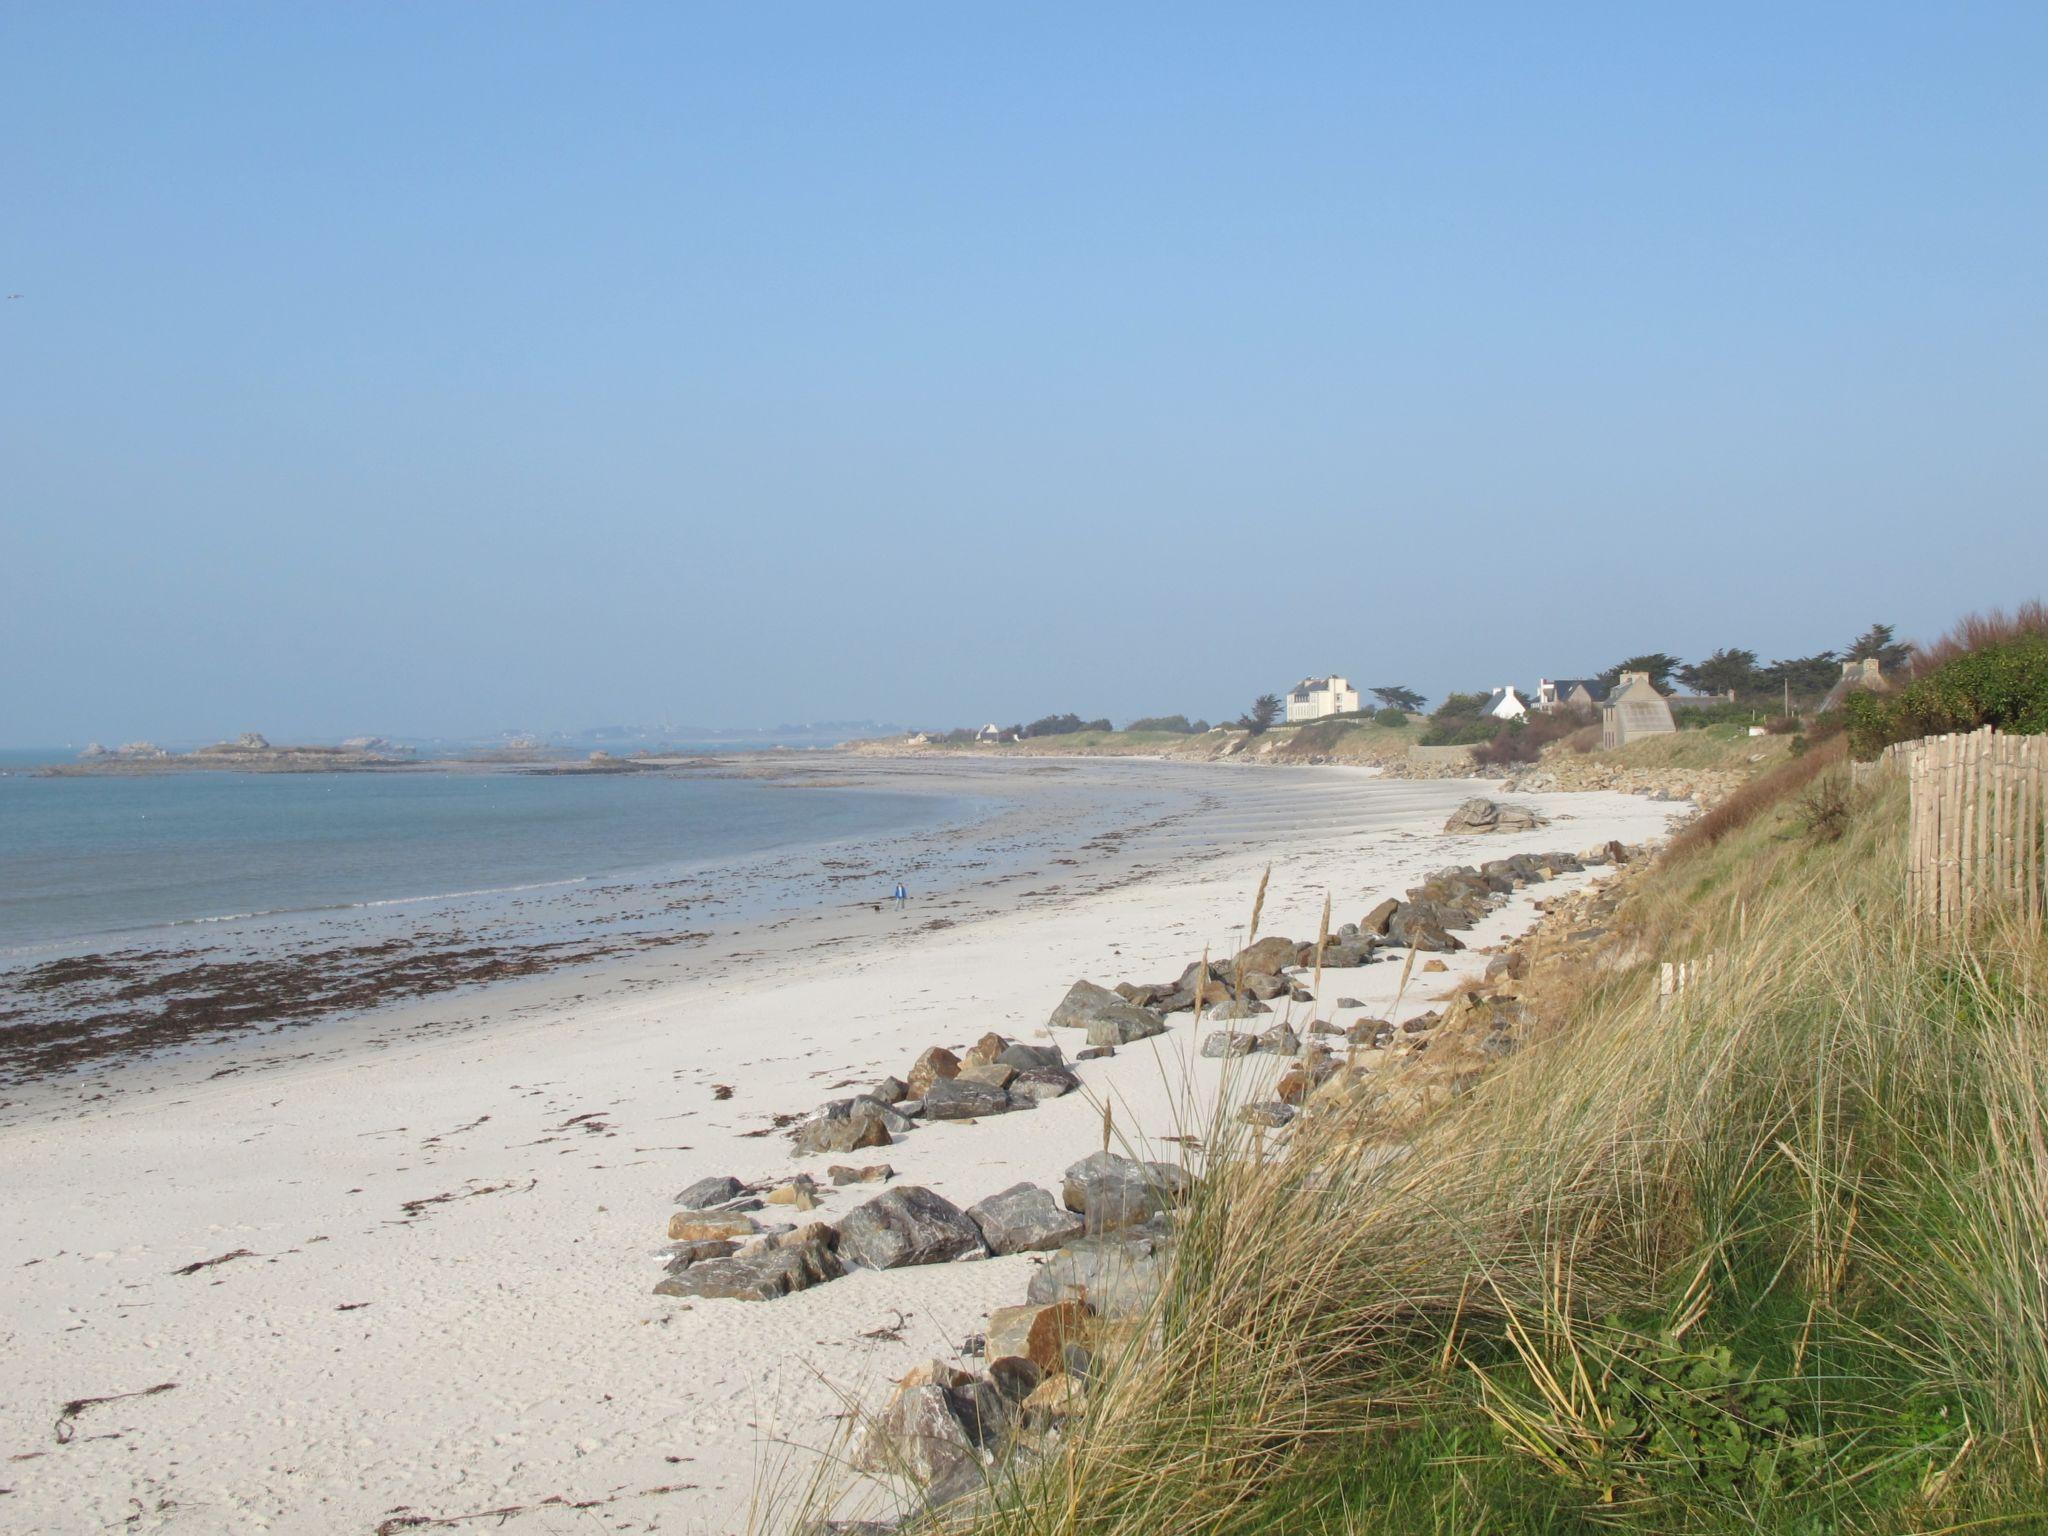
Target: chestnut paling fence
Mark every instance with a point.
(1978, 832)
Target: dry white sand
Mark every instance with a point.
(446, 1308)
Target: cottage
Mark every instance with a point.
(1579, 694)
(989, 733)
(1634, 709)
(1861, 676)
(1314, 698)
(1505, 704)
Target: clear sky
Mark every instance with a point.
(443, 368)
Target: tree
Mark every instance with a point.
(1061, 725)
(1461, 706)
(1180, 725)
(1656, 663)
(1877, 641)
(1394, 696)
(1805, 676)
(1722, 672)
(1265, 710)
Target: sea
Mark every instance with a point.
(90, 862)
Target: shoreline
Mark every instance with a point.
(452, 1236)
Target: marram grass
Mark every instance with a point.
(1773, 1256)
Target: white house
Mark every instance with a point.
(989, 732)
(1506, 704)
(1315, 697)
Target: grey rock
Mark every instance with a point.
(907, 1226)
(1094, 1052)
(961, 1098)
(1023, 1219)
(714, 1191)
(918, 1434)
(873, 1173)
(1027, 1058)
(841, 1135)
(1111, 1191)
(760, 1276)
(1280, 1041)
(1238, 1008)
(1086, 1006)
(1225, 1043)
(1117, 1273)
(686, 1254)
(889, 1090)
(1041, 1083)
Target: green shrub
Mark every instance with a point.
(2003, 685)
(1692, 717)
(1392, 718)
(1179, 725)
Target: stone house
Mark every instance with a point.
(1634, 709)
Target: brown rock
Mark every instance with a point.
(1268, 957)
(709, 1226)
(1375, 921)
(1057, 1397)
(993, 1073)
(984, 1050)
(937, 1062)
(1434, 965)
(1039, 1334)
(873, 1173)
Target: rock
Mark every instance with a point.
(1108, 1019)
(1268, 957)
(1373, 1032)
(1301, 995)
(864, 1108)
(1375, 921)
(986, 1049)
(1513, 965)
(1517, 818)
(962, 1098)
(1042, 1083)
(1038, 1332)
(708, 1226)
(1538, 783)
(1239, 1008)
(759, 1276)
(687, 1254)
(1023, 1219)
(1349, 1002)
(1122, 1028)
(1057, 1398)
(1094, 1052)
(1265, 988)
(935, 1064)
(1117, 1273)
(1421, 928)
(908, 1225)
(1111, 1191)
(873, 1173)
(890, 1090)
(800, 1192)
(1026, 1058)
(918, 1433)
(1144, 994)
(706, 1193)
(1280, 1041)
(1301, 1079)
(1271, 1116)
(1324, 1027)
(847, 1135)
(992, 1073)
(1475, 815)
(1434, 965)
(1226, 1043)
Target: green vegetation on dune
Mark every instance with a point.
(1772, 1257)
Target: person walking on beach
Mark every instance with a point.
(901, 895)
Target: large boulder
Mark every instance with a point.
(1086, 1005)
(1374, 924)
(1117, 1273)
(1476, 815)
(1110, 1191)
(1422, 928)
(907, 1226)
(710, 1226)
(983, 1051)
(1023, 1219)
(962, 1098)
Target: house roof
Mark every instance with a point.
(1595, 689)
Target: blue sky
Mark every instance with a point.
(452, 368)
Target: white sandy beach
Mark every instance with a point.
(453, 1238)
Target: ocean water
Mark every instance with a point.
(123, 860)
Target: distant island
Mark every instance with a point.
(248, 753)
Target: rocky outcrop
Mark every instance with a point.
(1482, 815)
(906, 1226)
(1024, 1219)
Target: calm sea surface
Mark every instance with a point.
(118, 857)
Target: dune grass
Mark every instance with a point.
(1771, 1257)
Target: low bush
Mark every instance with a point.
(1178, 725)
(1523, 741)
(1392, 718)
(2004, 684)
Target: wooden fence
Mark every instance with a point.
(1977, 831)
